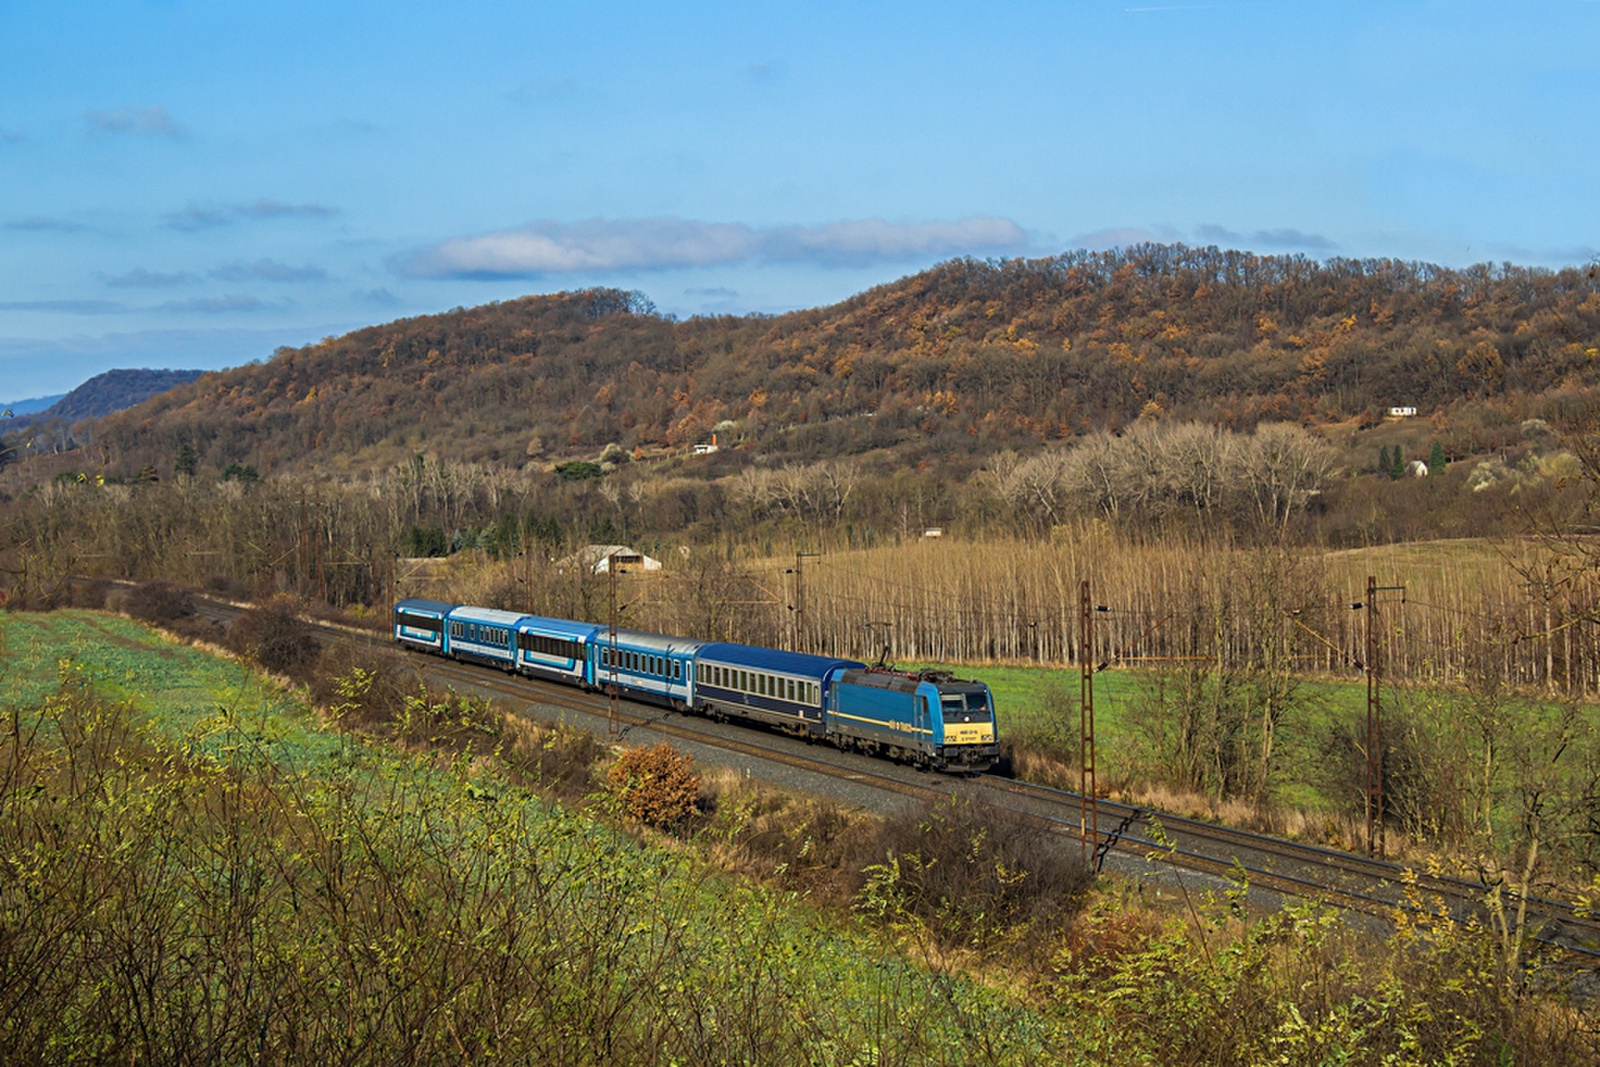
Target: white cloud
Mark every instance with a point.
(149, 121)
(599, 245)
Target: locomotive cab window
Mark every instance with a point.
(965, 706)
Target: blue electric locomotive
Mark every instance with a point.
(928, 718)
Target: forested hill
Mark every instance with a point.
(110, 392)
(944, 366)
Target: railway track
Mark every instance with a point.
(1288, 868)
(1294, 868)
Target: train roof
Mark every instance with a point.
(907, 681)
(895, 681)
(492, 616)
(773, 659)
(564, 627)
(430, 607)
(645, 639)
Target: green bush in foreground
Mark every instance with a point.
(163, 905)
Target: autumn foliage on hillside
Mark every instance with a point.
(946, 366)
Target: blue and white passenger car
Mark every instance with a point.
(557, 649)
(645, 666)
(482, 635)
(420, 624)
(784, 689)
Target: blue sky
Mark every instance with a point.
(195, 184)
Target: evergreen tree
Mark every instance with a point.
(1436, 461)
(1397, 464)
(1384, 466)
(184, 462)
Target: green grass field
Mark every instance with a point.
(1043, 702)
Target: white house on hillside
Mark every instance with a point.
(598, 559)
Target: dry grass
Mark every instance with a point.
(1013, 600)
(1172, 601)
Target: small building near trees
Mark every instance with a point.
(598, 559)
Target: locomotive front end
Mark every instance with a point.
(969, 739)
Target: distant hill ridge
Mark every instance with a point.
(30, 405)
(105, 394)
(938, 370)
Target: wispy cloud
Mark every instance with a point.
(148, 122)
(203, 217)
(763, 72)
(42, 223)
(277, 209)
(217, 304)
(600, 245)
(379, 297)
(266, 270)
(195, 217)
(1114, 237)
(139, 278)
(71, 307)
(1280, 238)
